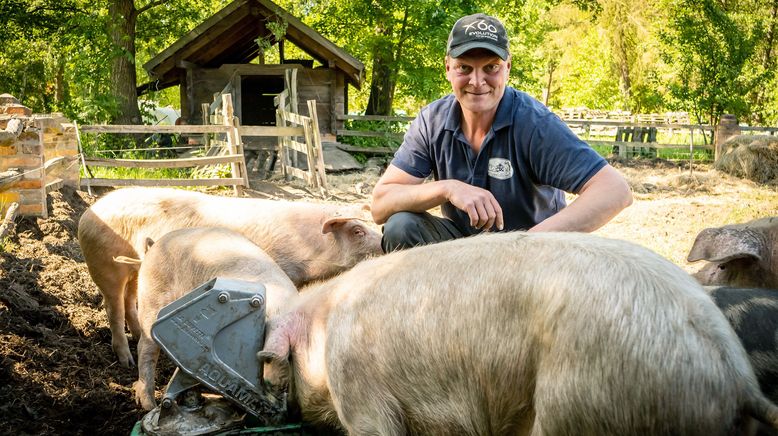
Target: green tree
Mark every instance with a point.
(403, 42)
(709, 49)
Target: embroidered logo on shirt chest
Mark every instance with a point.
(500, 168)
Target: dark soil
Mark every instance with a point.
(58, 374)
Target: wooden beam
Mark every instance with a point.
(371, 134)
(366, 150)
(163, 163)
(375, 118)
(318, 156)
(55, 185)
(9, 178)
(160, 182)
(8, 222)
(270, 131)
(131, 128)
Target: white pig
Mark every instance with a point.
(515, 333)
(181, 261)
(309, 241)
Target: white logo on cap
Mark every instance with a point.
(481, 29)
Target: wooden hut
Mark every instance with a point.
(215, 57)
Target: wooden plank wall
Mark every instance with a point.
(312, 84)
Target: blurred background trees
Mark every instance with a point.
(706, 57)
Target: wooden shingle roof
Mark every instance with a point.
(229, 37)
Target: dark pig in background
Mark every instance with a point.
(515, 333)
(753, 313)
(741, 255)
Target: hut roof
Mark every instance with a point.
(229, 37)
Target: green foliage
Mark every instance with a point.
(389, 128)
(707, 57)
(710, 49)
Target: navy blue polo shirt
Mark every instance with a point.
(526, 161)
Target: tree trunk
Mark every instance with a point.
(382, 81)
(550, 67)
(123, 78)
(61, 91)
(624, 70)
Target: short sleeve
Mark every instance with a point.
(413, 156)
(560, 159)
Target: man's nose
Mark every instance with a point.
(477, 78)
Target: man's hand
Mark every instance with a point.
(399, 191)
(481, 206)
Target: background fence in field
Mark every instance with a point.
(669, 136)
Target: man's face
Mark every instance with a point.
(478, 79)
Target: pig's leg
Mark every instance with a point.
(148, 353)
(131, 306)
(368, 411)
(112, 281)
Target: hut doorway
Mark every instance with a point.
(257, 94)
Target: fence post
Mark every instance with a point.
(227, 114)
(727, 128)
(313, 180)
(206, 116)
(317, 147)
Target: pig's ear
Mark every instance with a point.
(344, 215)
(725, 244)
(331, 223)
(149, 243)
(132, 262)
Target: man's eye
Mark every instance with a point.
(464, 69)
(493, 68)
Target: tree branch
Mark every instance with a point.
(152, 4)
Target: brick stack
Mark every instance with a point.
(41, 138)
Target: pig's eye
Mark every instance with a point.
(359, 231)
(722, 266)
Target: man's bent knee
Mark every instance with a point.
(409, 229)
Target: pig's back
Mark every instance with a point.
(186, 258)
(500, 327)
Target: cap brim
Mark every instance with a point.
(459, 51)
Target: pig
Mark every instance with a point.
(753, 313)
(739, 255)
(514, 333)
(181, 261)
(309, 241)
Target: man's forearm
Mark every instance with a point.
(608, 195)
(391, 198)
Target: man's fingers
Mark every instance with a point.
(483, 215)
(498, 221)
(473, 214)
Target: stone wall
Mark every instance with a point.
(43, 137)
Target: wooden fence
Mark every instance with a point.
(232, 154)
(592, 131)
(229, 151)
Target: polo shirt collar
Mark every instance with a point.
(502, 118)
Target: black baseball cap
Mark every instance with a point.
(478, 31)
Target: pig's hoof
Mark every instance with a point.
(143, 398)
(126, 360)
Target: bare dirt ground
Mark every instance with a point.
(58, 374)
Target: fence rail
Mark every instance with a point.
(596, 132)
(233, 154)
